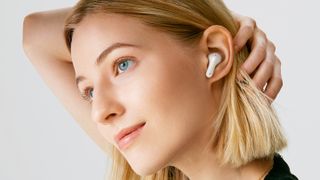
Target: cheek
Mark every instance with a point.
(106, 133)
(170, 101)
(178, 96)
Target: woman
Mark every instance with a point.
(186, 124)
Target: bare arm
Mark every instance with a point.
(44, 45)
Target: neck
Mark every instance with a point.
(199, 162)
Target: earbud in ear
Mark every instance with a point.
(214, 59)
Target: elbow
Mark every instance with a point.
(29, 32)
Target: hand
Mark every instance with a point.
(262, 63)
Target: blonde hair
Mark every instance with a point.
(246, 126)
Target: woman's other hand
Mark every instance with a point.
(262, 63)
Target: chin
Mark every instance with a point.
(143, 170)
(146, 168)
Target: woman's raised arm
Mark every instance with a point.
(44, 45)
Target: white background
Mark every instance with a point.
(40, 141)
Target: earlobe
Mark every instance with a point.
(217, 44)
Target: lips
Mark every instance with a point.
(127, 135)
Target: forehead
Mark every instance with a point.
(111, 26)
(98, 31)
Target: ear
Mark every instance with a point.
(217, 39)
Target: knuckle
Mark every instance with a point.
(263, 38)
(272, 46)
(262, 34)
(260, 38)
(248, 29)
(261, 49)
(278, 61)
(252, 22)
(263, 43)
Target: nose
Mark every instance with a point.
(105, 107)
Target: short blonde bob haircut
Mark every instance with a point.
(246, 126)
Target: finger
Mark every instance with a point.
(275, 83)
(265, 69)
(245, 32)
(238, 18)
(257, 54)
(271, 46)
(263, 74)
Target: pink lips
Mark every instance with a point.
(127, 135)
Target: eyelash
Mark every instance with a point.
(85, 93)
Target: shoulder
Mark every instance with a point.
(280, 170)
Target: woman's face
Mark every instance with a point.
(159, 82)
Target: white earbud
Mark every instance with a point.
(214, 59)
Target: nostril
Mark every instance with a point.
(110, 116)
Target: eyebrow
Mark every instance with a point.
(103, 56)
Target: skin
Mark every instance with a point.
(167, 79)
(44, 46)
(262, 64)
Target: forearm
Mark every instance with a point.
(45, 48)
(45, 33)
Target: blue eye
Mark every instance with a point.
(124, 65)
